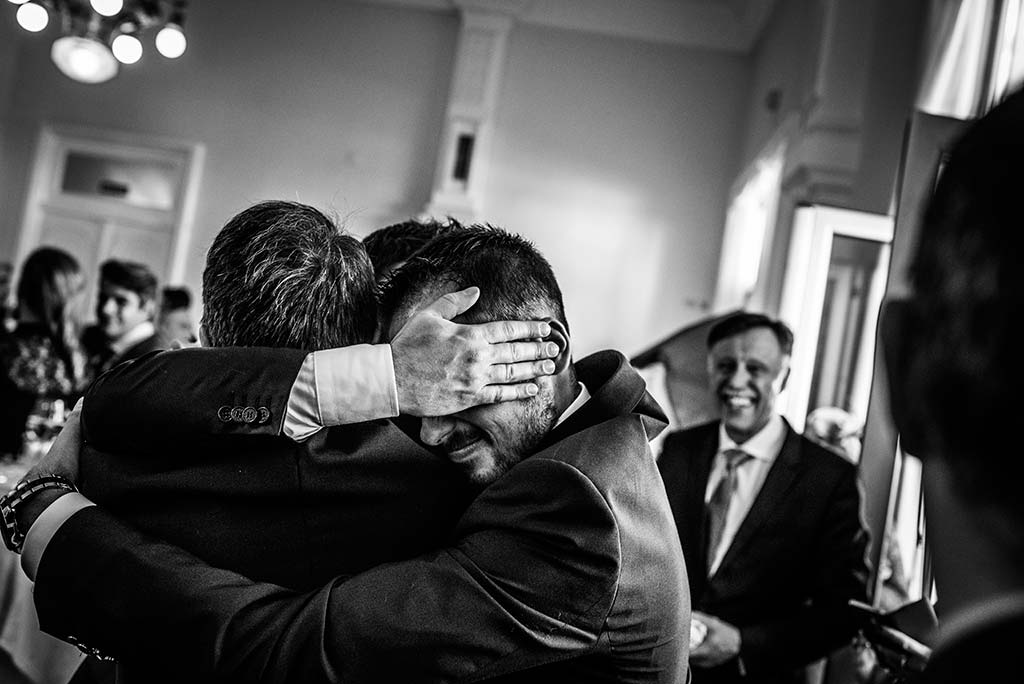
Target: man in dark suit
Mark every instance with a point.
(770, 522)
(125, 310)
(564, 567)
(952, 356)
(296, 513)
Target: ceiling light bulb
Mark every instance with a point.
(33, 17)
(107, 8)
(85, 60)
(17, 2)
(170, 42)
(127, 48)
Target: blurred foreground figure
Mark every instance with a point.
(953, 357)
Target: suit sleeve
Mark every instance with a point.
(187, 395)
(838, 572)
(529, 580)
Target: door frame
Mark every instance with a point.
(52, 146)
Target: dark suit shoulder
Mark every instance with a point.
(684, 443)
(606, 451)
(823, 459)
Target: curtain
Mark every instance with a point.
(958, 52)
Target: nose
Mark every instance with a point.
(108, 307)
(434, 431)
(739, 378)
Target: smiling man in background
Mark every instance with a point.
(770, 522)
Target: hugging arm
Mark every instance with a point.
(181, 395)
(432, 367)
(529, 580)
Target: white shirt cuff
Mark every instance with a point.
(302, 416)
(45, 526)
(355, 384)
(339, 387)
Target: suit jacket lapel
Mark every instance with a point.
(768, 501)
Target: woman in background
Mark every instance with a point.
(42, 369)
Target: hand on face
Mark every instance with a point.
(443, 367)
(746, 372)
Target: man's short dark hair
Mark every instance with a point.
(739, 323)
(130, 275)
(174, 298)
(283, 274)
(961, 344)
(516, 282)
(396, 243)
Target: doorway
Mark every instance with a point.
(101, 194)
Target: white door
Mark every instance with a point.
(102, 194)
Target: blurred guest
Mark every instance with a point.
(952, 355)
(124, 316)
(391, 246)
(837, 429)
(43, 368)
(770, 522)
(174, 322)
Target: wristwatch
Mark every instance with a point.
(13, 535)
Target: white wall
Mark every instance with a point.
(334, 104)
(615, 157)
(612, 154)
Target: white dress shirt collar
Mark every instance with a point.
(132, 337)
(581, 398)
(765, 445)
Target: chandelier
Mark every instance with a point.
(97, 36)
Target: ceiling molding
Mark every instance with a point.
(724, 25)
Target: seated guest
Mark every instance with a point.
(564, 567)
(124, 316)
(391, 246)
(174, 322)
(40, 360)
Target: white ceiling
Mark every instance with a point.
(728, 25)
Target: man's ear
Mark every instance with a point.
(560, 336)
(149, 306)
(785, 374)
